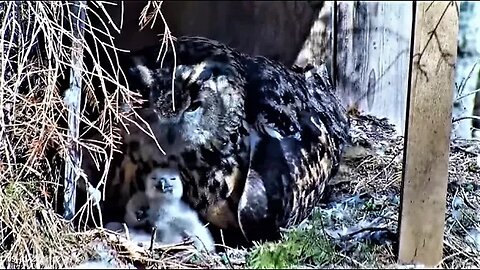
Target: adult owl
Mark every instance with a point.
(255, 142)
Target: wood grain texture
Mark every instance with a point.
(428, 134)
(73, 102)
(373, 55)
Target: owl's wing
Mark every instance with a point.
(297, 131)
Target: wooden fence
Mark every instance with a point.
(428, 129)
(372, 57)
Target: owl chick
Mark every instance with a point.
(136, 211)
(172, 217)
(136, 219)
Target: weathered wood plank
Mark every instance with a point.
(72, 100)
(373, 54)
(428, 129)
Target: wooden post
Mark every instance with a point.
(72, 100)
(427, 135)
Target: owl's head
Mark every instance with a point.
(204, 105)
(164, 184)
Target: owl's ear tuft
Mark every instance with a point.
(140, 78)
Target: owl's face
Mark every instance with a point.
(203, 103)
(164, 184)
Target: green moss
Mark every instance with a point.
(10, 190)
(298, 247)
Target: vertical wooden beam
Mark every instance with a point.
(427, 136)
(72, 99)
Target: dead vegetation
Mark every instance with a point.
(366, 197)
(36, 58)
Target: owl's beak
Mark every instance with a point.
(163, 185)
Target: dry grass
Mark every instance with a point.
(124, 251)
(36, 55)
(33, 235)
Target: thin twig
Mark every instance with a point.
(465, 117)
(153, 237)
(468, 94)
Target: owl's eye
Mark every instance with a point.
(194, 105)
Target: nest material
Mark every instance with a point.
(365, 197)
(36, 57)
(113, 250)
(33, 235)
(363, 207)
